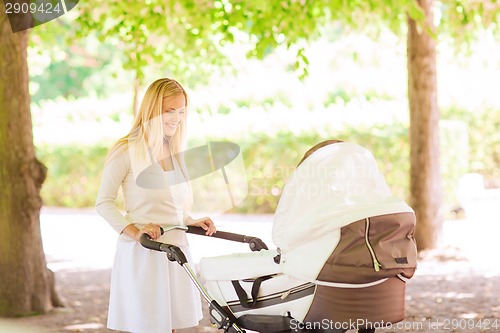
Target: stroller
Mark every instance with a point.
(345, 250)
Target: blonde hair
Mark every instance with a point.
(147, 124)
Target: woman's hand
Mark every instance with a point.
(205, 223)
(153, 230)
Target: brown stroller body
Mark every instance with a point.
(348, 293)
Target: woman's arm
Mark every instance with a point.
(153, 230)
(114, 172)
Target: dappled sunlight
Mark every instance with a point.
(83, 327)
(75, 240)
(84, 121)
(440, 296)
(477, 234)
(78, 240)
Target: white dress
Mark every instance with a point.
(149, 294)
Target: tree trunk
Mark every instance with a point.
(26, 285)
(425, 179)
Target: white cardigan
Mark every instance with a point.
(155, 201)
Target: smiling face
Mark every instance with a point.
(173, 112)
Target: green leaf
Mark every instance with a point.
(415, 11)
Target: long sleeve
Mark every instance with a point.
(114, 173)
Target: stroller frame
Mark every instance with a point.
(221, 317)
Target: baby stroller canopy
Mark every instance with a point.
(338, 184)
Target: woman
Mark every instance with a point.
(148, 292)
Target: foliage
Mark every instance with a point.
(170, 33)
(469, 143)
(187, 38)
(454, 148)
(483, 129)
(177, 36)
(462, 20)
(73, 174)
(270, 159)
(75, 76)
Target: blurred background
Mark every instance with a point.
(355, 90)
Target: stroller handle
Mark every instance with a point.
(149, 243)
(255, 243)
(173, 252)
